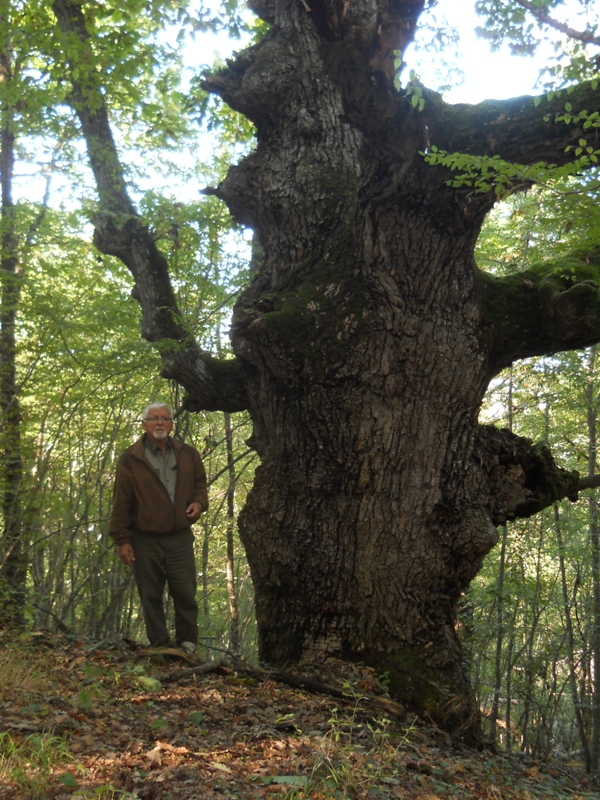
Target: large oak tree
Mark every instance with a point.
(368, 336)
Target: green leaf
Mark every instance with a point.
(222, 767)
(68, 780)
(290, 780)
(149, 684)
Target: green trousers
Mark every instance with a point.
(169, 560)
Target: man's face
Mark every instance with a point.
(158, 425)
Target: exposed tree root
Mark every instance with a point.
(236, 666)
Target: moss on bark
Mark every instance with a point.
(428, 691)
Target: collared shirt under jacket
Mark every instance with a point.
(142, 503)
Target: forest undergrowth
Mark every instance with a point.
(83, 719)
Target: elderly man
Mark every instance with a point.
(160, 490)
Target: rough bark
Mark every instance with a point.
(365, 342)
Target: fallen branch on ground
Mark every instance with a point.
(303, 682)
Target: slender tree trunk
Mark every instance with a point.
(498, 673)
(509, 665)
(594, 534)
(500, 609)
(12, 565)
(571, 656)
(234, 633)
(528, 715)
(204, 567)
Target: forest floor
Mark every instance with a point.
(82, 720)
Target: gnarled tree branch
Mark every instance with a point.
(521, 130)
(546, 309)
(542, 16)
(522, 477)
(213, 384)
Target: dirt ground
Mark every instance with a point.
(84, 720)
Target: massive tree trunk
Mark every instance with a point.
(368, 338)
(366, 341)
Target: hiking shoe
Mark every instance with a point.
(189, 648)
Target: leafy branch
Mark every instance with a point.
(543, 17)
(485, 174)
(215, 384)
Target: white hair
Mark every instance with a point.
(155, 407)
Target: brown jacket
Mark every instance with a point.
(142, 503)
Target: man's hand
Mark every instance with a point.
(126, 554)
(193, 511)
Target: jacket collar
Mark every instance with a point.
(138, 447)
